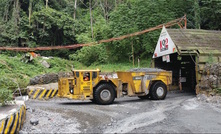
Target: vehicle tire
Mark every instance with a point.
(144, 97)
(104, 94)
(158, 91)
(93, 100)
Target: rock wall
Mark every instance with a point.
(13, 122)
(210, 83)
(49, 78)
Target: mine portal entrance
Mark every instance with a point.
(183, 70)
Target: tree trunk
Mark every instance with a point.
(106, 10)
(16, 15)
(74, 14)
(30, 11)
(46, 3)
(197, 14)
(103, 8)
(132, 47)
(75, 8)
(116, 4)
(6, 13)
(44, 18)
(90, 6)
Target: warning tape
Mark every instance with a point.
(42, 93)
(14, 122)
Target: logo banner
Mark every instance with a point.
(165, 45)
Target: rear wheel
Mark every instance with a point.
(104, 94)
(93, 100)
(158, 91)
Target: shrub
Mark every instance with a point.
(5, 95)
(90, 55)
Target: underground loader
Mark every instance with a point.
(101, 89)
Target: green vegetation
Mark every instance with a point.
(32, 23)
(15, 71)
(6, 95)
(218, 90)
(16, 74)
(210, 59)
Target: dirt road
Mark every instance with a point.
(178, 113)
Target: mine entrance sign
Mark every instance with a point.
(185, 52)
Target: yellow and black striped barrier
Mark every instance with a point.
(42, 93)
(14, 122)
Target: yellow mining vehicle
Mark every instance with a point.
(102, 89)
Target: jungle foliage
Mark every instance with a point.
(32, 23)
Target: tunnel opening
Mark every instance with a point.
(183, 71)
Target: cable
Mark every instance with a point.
(192, 58)
(189, 50)
(191, 23)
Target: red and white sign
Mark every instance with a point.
(166, 58)
(165, 45)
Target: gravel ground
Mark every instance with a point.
(178, 113)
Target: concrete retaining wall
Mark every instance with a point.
(42, 93)
(13, 122)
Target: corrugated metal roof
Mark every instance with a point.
(203, 41)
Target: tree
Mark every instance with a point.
(210, 12)
(197, 14)
(75, 8)
(30, 11)
(91, 16)
(61, 22)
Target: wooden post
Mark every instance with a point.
(185, 22)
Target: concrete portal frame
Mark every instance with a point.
(201, 46)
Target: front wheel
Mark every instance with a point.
(158, 91)
(104, 94)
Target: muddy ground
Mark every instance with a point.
(178, 113)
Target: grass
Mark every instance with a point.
(15, 71)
